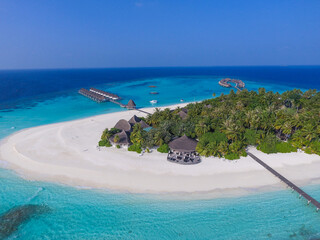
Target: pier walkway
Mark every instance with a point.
(286, 181)
(103, 96)
(143, 111)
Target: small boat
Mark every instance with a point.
(181, 100)
(153, 101)
(154, 93)
(152, 86)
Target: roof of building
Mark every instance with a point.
(136, 119)
(183, 144)
(123, 124)
(143, 124)
(123, 138)
(182, 114)
(131, 104)
(184, 110)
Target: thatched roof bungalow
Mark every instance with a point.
(183, 144)
(124, 139)
(134, 120)
(131, 104)
(183, 113)
(123, 125)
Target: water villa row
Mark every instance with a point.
(226, 82)
(103, 96)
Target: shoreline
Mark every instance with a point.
(66, 153)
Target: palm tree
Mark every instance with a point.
(136, 135)
(202, 128)
(231, 129)
(309, 132)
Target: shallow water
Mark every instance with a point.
(78, 213)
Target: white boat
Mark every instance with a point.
(153, 101)
(181, 100)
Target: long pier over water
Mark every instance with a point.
(103, 96)
(286, 181)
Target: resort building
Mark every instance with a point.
(183, 151)
(131, 104)
(138, 120)
(123, 125)
(183, 114)
(122, 139)
(105, 94)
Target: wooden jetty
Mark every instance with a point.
(286, 181)
(226, 82)
(92, 95)
(102, 96)
(105, 94)
(143, 111)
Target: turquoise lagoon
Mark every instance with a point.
(78, 213)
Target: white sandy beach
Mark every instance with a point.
(67, 153)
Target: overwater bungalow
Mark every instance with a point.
(134, 120)
(122, 140)
(123, 125)
(183, 151)
(131, 104)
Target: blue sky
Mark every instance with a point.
(146, 33)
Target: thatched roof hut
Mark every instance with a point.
(182, 114)
(134, 120)
(123, 138)
(131, 104)
(138, 120)
(183, 144)
(144, 124)
(123, 125)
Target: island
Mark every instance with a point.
(198, 147)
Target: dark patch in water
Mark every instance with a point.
(140, 84)
(12, 219)
(7, 110)
(306, 233)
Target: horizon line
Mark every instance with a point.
(96, 68)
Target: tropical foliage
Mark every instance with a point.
(164, 148)
(226, 125)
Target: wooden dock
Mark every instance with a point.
(92, 95)
(286, 181)
(143, 111)
(103, 96)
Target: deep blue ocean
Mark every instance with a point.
(34, 97)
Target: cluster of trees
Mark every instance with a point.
(106, 135)
(226, 125)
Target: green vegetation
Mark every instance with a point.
(135, 148)
(164, 148)
(106, 135)
(104, 143)
(226, 125)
